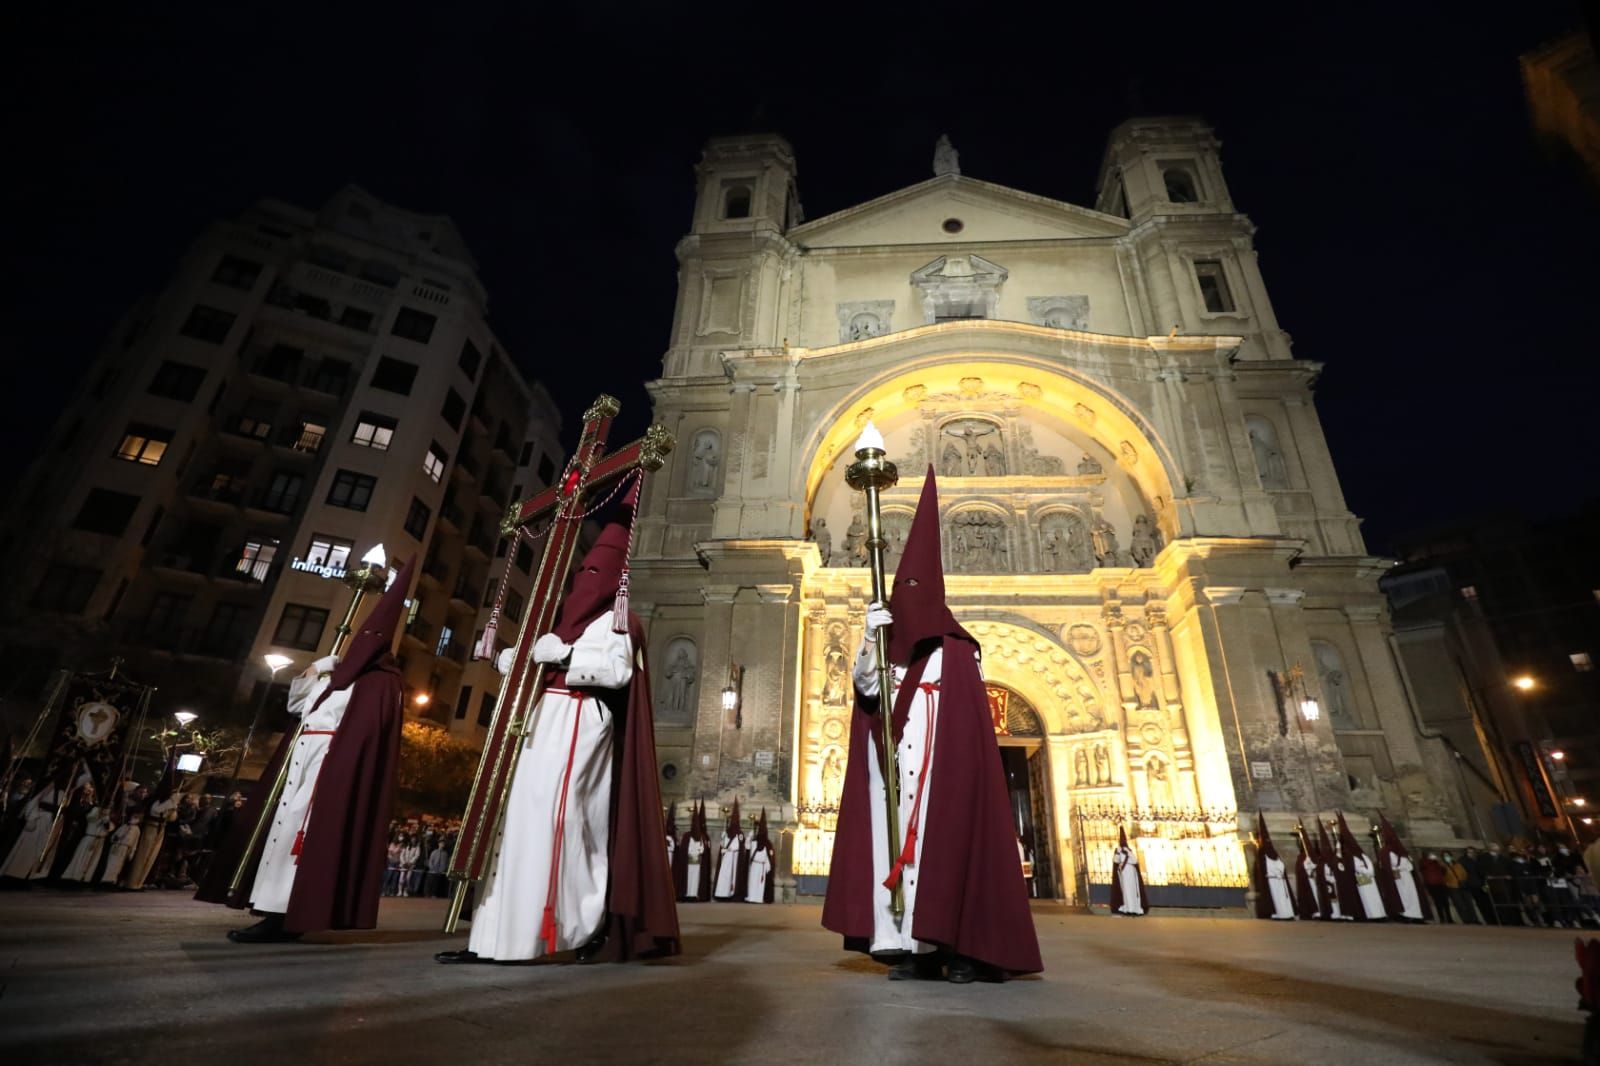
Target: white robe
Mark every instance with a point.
(1278, 886)
(96, 828)
(1331, 886)
(1126, 870)
(275, 875)
(506, 923)
(124, 841)
(760, 870)
(919, 732)
(691, 883)
(1367, 888)
(1406, 884)
(28, 858)
(728, 867)
(672, 846)
(1317, 887)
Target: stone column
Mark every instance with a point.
(715, 659)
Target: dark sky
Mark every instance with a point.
(1412, 235)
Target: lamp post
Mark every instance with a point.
(1290, 683)
(730, 695)
(275, 662)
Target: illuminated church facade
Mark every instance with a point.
(1142, 523)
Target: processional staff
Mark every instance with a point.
(564, 503)
(372, 575)
(872, 472)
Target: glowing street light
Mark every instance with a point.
(1524, 683)
(276, 662)
(1579, 801)
(1309, 710)
(422, 699)
(1558, 755)
(375, 558)
(184, 718)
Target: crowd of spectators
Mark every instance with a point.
(419, 852)
(1538, 885)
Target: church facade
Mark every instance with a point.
(1142, 523)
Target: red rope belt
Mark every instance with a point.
(908, 854)
(305, 819)
(547, 928)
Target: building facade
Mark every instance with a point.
(309, 384)
(1142, 523)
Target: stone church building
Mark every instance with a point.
(1142, 523)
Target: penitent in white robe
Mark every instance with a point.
(506, 923)
(1317, 887)
(1126, 870)
(914, 740)
(96, 828)
(1406, 885)
(124, 841)
(275, 875)
(1278, 885)
(1331, 887)
(760, 870)
(691, 886)
(1367, 888)
(28, 857)
(728, 868)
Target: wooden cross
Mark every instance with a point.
(589, 472)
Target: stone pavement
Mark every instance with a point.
(149, 978)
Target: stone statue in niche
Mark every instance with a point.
(994, 462)
(1145, 542)
(1102, 763)
(835, 668)
(823, 539)
(705, 456)
(865, 326)
(1106, 550)
(1089, 465)
(895, 527)
(978, 543)
(1144, 679)
(832, 777)
(946, 160)
(855, 541)
(1157, 778)
(680, 677)
(1269, 458)
(1330, 672)
(1080, 768)
(1050, 550)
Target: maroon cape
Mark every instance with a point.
(971, 897)
(1265, 849)
(340, 875)
(1305, 894)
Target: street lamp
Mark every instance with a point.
(274, 662)
(730, 695)
(184, 718)
(1524, 683)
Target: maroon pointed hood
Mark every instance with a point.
(917, 600)
(592, 590)
(375, 638)
(672, 821)
(1122, 837)
(1264, 845)
(762, 840)
(1347, 839)
(1391, 839)
(733, 820)
(1324, 845)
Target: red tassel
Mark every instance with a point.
(299, 843)
(547, 929)
(908, 857)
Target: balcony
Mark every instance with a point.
(451, 515)
(249, 428)
(274, 502)
(466, 595)
(181, 564)
(306, 439)
(199, 641)
(452, 653)
(422, 633)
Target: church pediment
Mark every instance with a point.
(956, 207)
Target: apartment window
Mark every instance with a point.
(105, 511)
(445, 635)
(470, 360)
(356, 318)
(414, 325)
(281, 363)
(434, 462)
(176, 381)
(255, 559)
(527, 453)
(374, 431)
(300, 626)
(1469, 592)
(310, 437)
(332, 552)
(490, 591)
(513, 608)
(332, 376)
(394, 375)
(486, 708)
(255, 419)
(1213, 285)
(351, 490)
(144, 444)
(208, 324)
(454, 407)
(283, 492)
(463, 701)
(524, 558)
(1581, 662)
(237, 273)
(165, 617)
(228, 633)
(417, 518)
(380, 273)
(66, 588)
(547, 470)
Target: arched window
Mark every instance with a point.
(1180, 185)
(736, 202)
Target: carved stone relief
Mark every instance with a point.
(861, 320)
(705, 455)
(1107, 552)
(1059, 312)
(1335, 684)
(958, 286)
(675, 700)
(1269, 457)
(823, 539)
(855, 541)
(1145, 543)
(1064, 545)
(835, 667)
(896, 524)
(1089, 465)
(971, 447)
(1143, 670)
(1032, 462)
(979, 543)
(1082, 639)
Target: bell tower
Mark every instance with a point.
(1162, 166)
(746, 184)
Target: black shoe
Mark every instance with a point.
(592, 949)
(268, 930)
(964, 971)
(920, 967)
(463, 955)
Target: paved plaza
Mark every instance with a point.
(149, 978)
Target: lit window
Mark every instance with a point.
(1469, 592)
(374, 431)
(433, 463)
(1581, 661)
(1213, 285)
(310, 438)
(255, 559)
(445, 633)
(331, 552)
(144, 444)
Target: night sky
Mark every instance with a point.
(1412, 234)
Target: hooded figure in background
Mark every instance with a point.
(1127, 883)
(669, 828)
(760, 860)
(1306, 896)
(1362, 874)
(578, 864)
(1337, 888)
(159, 811)
(1273, 898)
(691, 863)
(1404, 895)
(320, 865)
(731, 865)
(966, 903)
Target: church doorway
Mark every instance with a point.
(1020, 733)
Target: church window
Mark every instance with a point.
(394, 375)
(66, 588)
(1213, 285)
(105, 511)
(417, 518)
(208, 324)
(374, 431)
(1180, 185)
(434, 462)
(300, 626)
(351, 490)
(144, 444)
(414, 325)
(1581, 662)
(237, 273)
(736, 202)
(953, 225)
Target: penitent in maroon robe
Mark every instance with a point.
(971, 898)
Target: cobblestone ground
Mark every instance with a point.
(150, 978)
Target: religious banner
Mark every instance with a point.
(96, 727)
(998, 698)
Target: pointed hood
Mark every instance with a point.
(762, 839)
(1347, 840)
(1264, 845)
(1324, 845)
(1391, 839)
(1122, 837)
(375, 638)
(672, 821)
(592, 589)
(733, 820)
(917, 599)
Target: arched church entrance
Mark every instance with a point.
(1020, 734)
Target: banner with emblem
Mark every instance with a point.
(97, 724)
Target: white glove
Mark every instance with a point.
(878, 616)
(551, 649)
(503, 661)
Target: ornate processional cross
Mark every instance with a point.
(589, 472)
